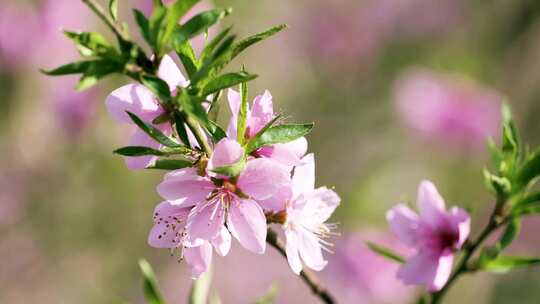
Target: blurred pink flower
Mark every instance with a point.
(307, 210)
(358, 275)
(20, 26)
(448, 109)
(436, 234)
(226, 201)
(141, 101)
(260, 114)
(345, 34)
(73, 110)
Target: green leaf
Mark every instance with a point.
(510, 139)
(213, 64)
(278, 135)
(144, 26)
(153, 132)
(242, 113)
(171, 164)
(495, 153)
(249, 41)
(155, 26)
(269, 296)
(210, 46)
(96, 71)
(231, 170)
(198, 24)
(216, 131)
(173, 15)
(498, 185)
(200, 288)
(526, 210)
(530, 169)
(180, 127)
(187, 56)
(138, 151)
(511, 232)
(113, 9)
(226, 81)
(385, 252)
(158, 86)
(150, 285)
(70, 68)
(504, 264)
(192, 106)
(92, 44)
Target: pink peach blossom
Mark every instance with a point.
(258, 116)
(169, 232)
(218, 202)
(436, 234)
(307, 210)
(141, 101)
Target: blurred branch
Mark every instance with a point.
(307, 276)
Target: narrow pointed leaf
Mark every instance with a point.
(192, 106)
(226, 81)
(210, 46)
(150, 285)
(198, 24)
(530, 169)
(249, 41)
(232, 170)
(242, 113)
(153, 132)
(173, 15)
(187, 56)
(113, 9)
(200, 288)
(385, 252)
(511, 232)
(171, 164)
(92, 44)
(138, 151)
(143, 24)
(158, 86)
(277, 135)
(504, 264)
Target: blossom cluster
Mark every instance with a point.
(203, 206)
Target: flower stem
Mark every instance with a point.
(199, 135)
(495, 221)
(307, 276)
(100, 12)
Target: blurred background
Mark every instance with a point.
(400, 90)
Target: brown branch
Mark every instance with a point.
(307, 276)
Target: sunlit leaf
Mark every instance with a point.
(277, 135)
(504, 264)
(226, 81)
(171, 164)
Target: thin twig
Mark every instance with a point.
(199, 135)
(307, 276)
(100, 12)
